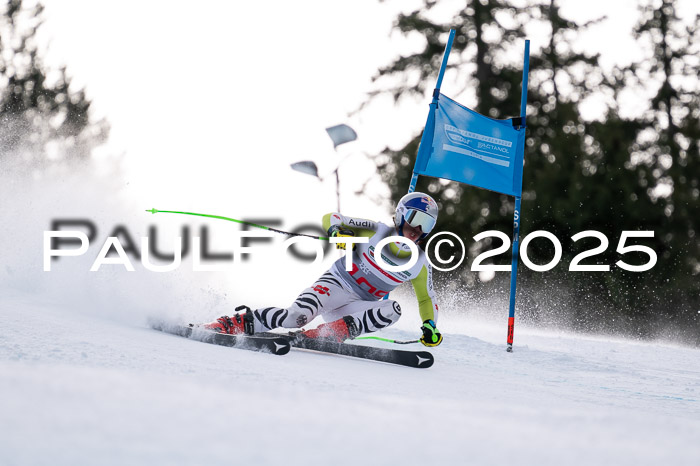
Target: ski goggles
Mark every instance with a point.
(418, 218)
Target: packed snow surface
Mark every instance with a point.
(79, 388)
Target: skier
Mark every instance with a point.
(352, 301)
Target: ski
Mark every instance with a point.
(281, 344)
(417, 359)
(269, 343)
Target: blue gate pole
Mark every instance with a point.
(516, 213)
(513, 273)
(523, 92)
(433, 104)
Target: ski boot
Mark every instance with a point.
(339, 330)
(237, 324)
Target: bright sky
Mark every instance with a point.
(209, 104)
(198, 96)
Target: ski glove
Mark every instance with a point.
(431, 335)
(339, 232)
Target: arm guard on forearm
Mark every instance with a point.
(423, 286)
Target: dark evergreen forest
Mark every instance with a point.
(612, 173)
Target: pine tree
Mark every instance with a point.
(480, 39)
(43, 117)
(666, 155)
(488, 33)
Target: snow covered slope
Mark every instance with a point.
(79, 389)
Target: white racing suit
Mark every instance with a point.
(357, 293)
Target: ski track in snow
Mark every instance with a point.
(77, 389)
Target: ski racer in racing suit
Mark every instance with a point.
(352, 302)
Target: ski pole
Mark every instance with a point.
(155, 211)
(398, 342)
